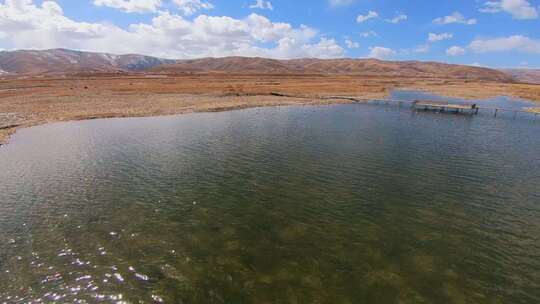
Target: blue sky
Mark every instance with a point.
(497, 33)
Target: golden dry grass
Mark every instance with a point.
(39, 100)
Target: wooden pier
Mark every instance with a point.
(427, 105)
(446, 107)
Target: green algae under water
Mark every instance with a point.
(330, 204)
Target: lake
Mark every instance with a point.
(315, 204)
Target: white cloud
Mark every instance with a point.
(374, 15)
(262, 4)
(380, 52)
(340, 2)
(190, 7)
(456, 17)
(325, 48)
(455, 51)
(432, 37)
(368, 34)
(422, 49)
(519, 9)
(513, 43)
(397, 19)
(131, 6)
(351, 44)
(25, 25)
(369, 15)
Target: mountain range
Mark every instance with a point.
(64, 61)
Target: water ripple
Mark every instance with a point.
(336, 204)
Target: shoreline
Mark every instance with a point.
(280, 100)
(36, 101)
(7, 132)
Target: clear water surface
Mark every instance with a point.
(328, 204)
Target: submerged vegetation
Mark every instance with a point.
(345, 203)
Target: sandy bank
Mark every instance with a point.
(33, 101)
(160, 107)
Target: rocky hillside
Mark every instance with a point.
(525, 75)
(68, 61)
(367, 67)
(58, 61)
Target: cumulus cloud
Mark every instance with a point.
(351, 44)
(190, 7)
(455, 51)
(263, 5)
(131, 6)
(325, 48)
(380, 52)
(513, 43)
(432, 37)
(397, 19)
(369, 15)
(456, 17)
(25, 25)
(519, 9)
(516, 43)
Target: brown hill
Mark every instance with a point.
(227, 65)
(68, 61)
(368, 67)
(524, 75)
(400, 68)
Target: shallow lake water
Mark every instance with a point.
(318, 204)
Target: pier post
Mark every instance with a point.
(496, 110)
(515, 114)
